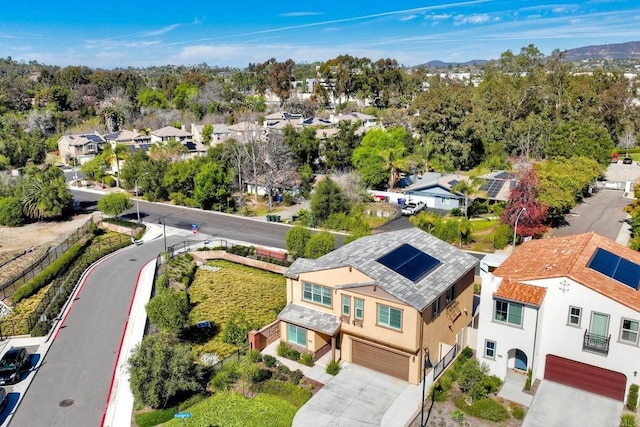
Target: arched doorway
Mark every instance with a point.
(520, 362)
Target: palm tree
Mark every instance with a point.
(468, 188)
(464, 230)
(393, 161)
(45, 194)
(117, 153)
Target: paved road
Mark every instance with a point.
(232, 227)
(80, 362)
(602, 213)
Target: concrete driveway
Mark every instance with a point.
(559, 405)
(357, 396)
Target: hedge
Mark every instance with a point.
(486, 409)
(48, 274)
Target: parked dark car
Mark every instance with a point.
(627, 161)
(13, 363)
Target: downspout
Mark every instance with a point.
(535, 338)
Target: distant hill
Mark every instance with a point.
(629, 50)
(441, 64)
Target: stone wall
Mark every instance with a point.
(120, 229)
(204, 256)
(258, 340)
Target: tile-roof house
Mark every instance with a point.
(168, 133)
(383, 301)
(81, 147)
(568, 308)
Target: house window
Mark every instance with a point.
(346, 305)
(317, 294)
(629, 331)
(389, 317)
(575, 314)
(297, 335)
(445, 201)
(359, 304)
(490, 349)
(451, 294)
(508, 312)
(435, 308)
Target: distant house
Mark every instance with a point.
(283, 119)
(169, 133)
(568, 308)
(246, 131)
(388, 302)
(81, 148)
(498, 185)
(434, 190)
(133, 140)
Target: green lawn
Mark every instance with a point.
(230, 409)
(259, 294)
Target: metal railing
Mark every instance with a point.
(594, 343)
(45, 260)
(439, 367)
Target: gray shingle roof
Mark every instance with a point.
(309, 318)
(363, 253)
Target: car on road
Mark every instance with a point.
(627, 161)
(13, 363)
(413, 208)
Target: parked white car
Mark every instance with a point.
(413, 208)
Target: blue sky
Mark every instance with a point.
(141, 33)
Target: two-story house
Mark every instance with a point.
(388, 302)
(568, 308)
(81, 147)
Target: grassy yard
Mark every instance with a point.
(231, 409)
(482, 233)
(259, 294)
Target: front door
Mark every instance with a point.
(521, 360)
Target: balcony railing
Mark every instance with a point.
(445, 361)
(594, 343)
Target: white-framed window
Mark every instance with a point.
(296, 335)
(575, 316)
(389, 317)
(435, 308)
(346, 305)
(359, 308)
(508, 312)
(451, 294)
(629, 331)
(317, 294)
(489, 349)
(445, 201)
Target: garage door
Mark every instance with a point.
(380, 359)
(585, 377)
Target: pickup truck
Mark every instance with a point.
(413, 208)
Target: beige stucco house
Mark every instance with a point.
(81, 148)
(388, 301)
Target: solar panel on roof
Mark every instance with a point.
(616, 267)
(453, 182)
(502, 175)
(409, 262)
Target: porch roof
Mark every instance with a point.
(309, 318)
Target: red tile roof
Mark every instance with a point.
(568, 257)
(520, 292)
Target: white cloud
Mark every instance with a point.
(296, 14)
(408, 17)
(480, 18)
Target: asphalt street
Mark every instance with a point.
(79, 365)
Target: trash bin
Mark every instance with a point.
(400, 201)
(278, 218)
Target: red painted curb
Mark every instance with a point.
(126, 323)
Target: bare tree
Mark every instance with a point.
(628, 140)
(279, 166)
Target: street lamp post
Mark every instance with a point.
(515, 227)
(137, 200)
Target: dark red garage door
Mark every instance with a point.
(585, 377)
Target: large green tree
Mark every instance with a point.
(161, 369)
(169, 310)
(114, 203)
(380, 156)
(296, 240)
(581, 139)
(319, 244)
(211, 187)
(328, 199)
(44, 193)
(10, 211)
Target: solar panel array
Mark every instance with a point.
(616, 267)
(409, 262)
(502, 175)
(492, 187)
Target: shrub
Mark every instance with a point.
(632, 398)
(491, 383)
(254, 356)
(269, 360)
(56, 268)
(486, 409)
(109, 181)
(502, 236)
(306, 359)
(471, 377)
(296, 376)
(236, 331)
(438, 393)
(467, 353)
(527, 384)
(628, 420)
(517, 411)
(284, 369)
(457, 415)
(284, 390)
(283, 349)
(333, 367)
